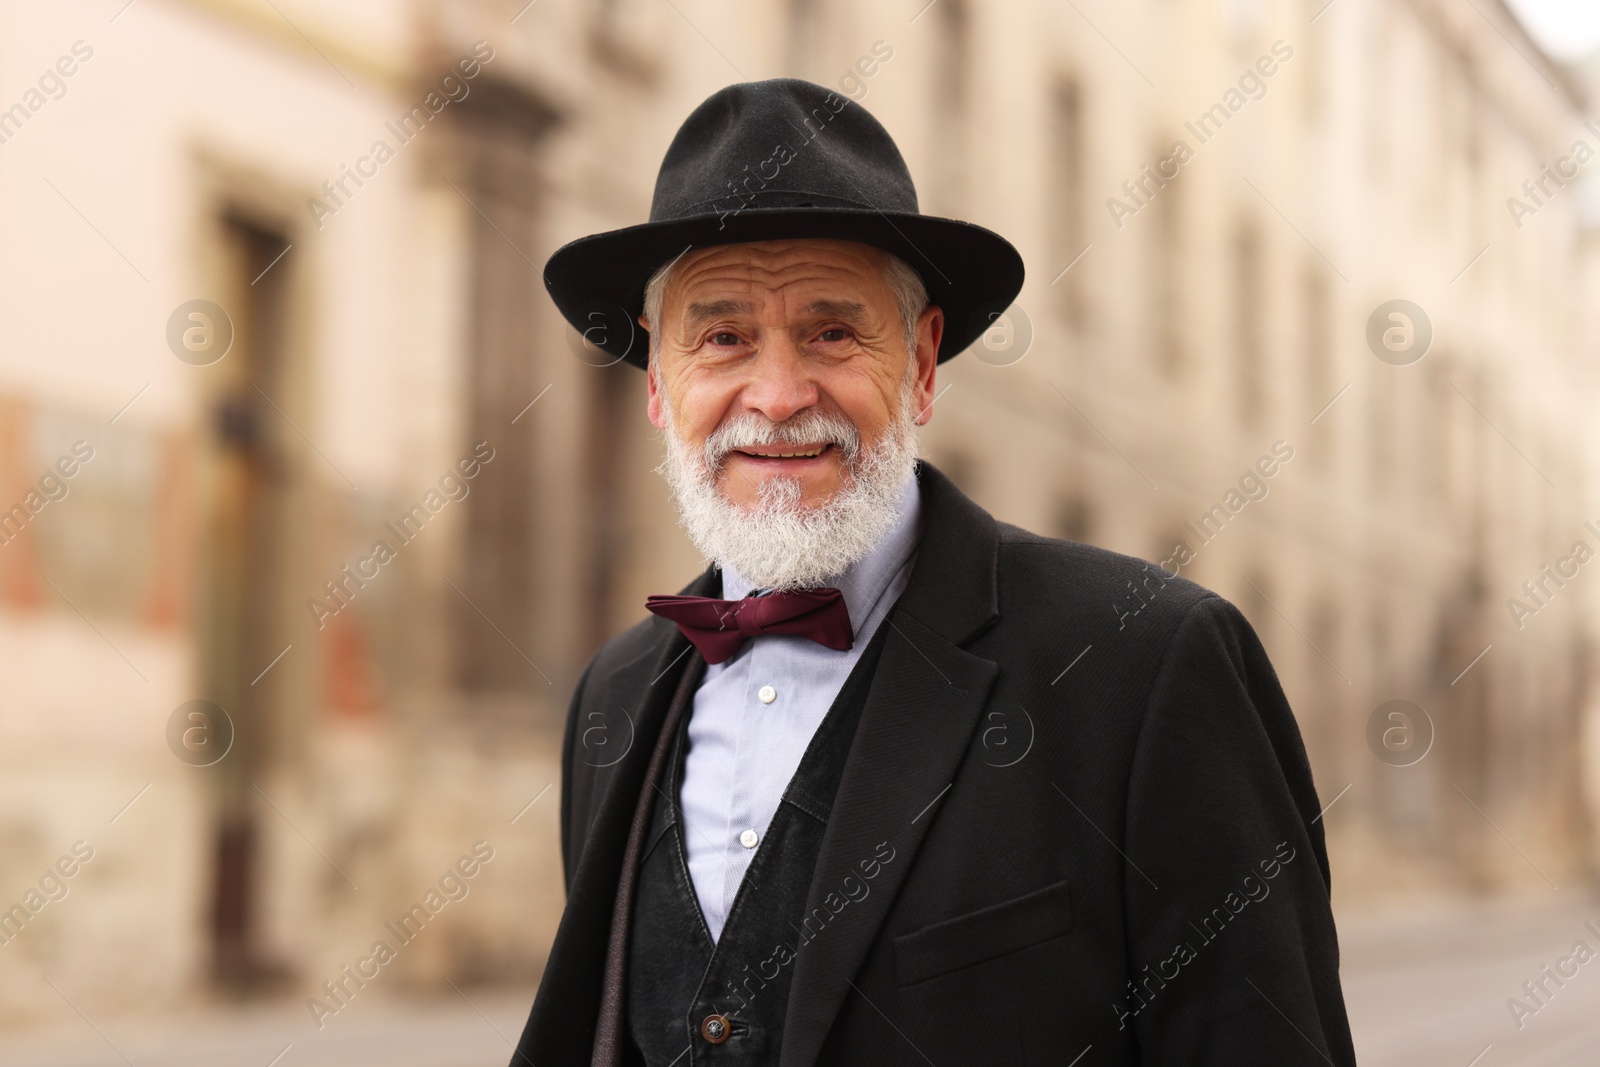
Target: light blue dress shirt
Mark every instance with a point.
(754, 715)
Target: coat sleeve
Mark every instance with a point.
(569, 858)
(1230, 934)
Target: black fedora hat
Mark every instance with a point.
(783, 158)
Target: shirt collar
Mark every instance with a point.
(864, 582)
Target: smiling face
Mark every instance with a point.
(777, 353)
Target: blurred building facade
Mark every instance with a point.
(386, 526)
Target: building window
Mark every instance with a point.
(1064, 201)
(1317, 306)
(1166, 269)
(1433, 428)
(1247, 327)
(951, 96)
(502, 579)
(1380, 432)
(1322, 731)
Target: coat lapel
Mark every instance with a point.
(561, 1027)
(918, 721)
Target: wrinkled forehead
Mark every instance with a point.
(764, 273)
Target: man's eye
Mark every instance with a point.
(723, 337)
(837, 333)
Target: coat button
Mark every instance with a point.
(715, 1029)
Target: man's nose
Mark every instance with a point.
(780, 382)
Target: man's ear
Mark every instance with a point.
(653, 405)
(930, 331)
(652, 390)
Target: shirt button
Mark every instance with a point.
(749, 838)
(767, 694)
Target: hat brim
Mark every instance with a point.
(598, 281)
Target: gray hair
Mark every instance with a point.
(905, 283)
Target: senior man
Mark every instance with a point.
(892, 782)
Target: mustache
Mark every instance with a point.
(801, 428)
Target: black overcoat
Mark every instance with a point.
(1076, 826)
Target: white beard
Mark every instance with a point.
(778, 543)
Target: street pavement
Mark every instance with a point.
(469, 1028)
(1429, 987)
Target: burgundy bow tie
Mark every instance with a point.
(719, 628)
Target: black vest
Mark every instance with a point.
(677, 976)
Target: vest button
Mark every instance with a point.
(715, 1029)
